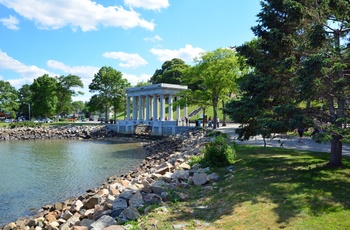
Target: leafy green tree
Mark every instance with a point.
(96, 104)
(300, 63)
(78, 106)
(110, 87)
(142, 83)
(25, 99)
(215, 74)
(171, 72)
(44, 96)
(65, 90)
(8, 98)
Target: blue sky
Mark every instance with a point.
(135, 37)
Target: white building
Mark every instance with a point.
(148, 111)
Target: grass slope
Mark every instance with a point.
(270, 188)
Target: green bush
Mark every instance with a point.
(24, 124)
(218, 153)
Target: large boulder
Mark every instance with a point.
(200, 178)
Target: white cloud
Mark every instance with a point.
(28, 73)
(86, 14)
(133, 79)
(86, 73)
(188, 53)
(127, 60)
(156, 38)
(11, 22)
(82, 71)
(148, 4)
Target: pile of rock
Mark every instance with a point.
(56, 132)
(120, 198)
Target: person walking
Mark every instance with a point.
(301, 134)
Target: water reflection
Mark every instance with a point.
(35, 173)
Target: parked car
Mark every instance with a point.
(48, 120)
(8, 120)
(83, 120)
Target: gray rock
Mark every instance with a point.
(200, 178)
(152, 198)
(126, 194)
(159, 186)
(181, 174)
(213, 177)
(130, 213)
(136, 200)
(120, 203)
(103, 222)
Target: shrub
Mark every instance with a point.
(24, 124)
(219, 153)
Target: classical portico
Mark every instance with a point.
(146, 107)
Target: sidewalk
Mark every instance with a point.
(307, 144)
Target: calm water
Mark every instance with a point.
(35, 173)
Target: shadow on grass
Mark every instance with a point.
(294, 183)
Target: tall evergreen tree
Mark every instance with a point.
(300, 63)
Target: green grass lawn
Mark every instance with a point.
(270, 188)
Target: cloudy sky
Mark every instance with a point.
(135, 37)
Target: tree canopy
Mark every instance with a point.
(300, 74)
(65, 91)
(215, 74)
(171, 72)
(44, 96)
(8, 98)
(109, 86)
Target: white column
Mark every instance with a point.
(134, 108)
(150, 103)
(162, 107)
(178, 111)
(155, 107)
(170, 107)
(127, 108)
(140, 109)
(147, 108)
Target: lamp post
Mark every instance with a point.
(28, 109)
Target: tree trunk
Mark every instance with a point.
(204, 117)
(336, 152)
(106, 112)
(223, 114)
(215, 116)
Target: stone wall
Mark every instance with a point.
(56, 132)
(143, 129)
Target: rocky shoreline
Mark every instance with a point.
(56, 132)
(120, 198)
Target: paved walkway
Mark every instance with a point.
(307, 143)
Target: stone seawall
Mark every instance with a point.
(56, 132)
